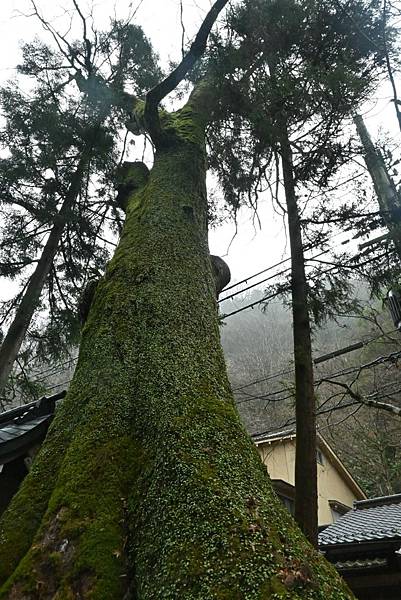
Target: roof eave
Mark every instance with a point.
(365, 546)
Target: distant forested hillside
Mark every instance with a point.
(258, 348)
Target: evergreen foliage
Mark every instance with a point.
(311, 66)
(51, 131)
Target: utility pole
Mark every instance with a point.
(387, 195)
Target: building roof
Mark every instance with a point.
(370, 520)
(361, 563)
(283, 434)
(23, 427)
(289, 434)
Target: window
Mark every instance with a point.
(288, 503)
(286, 493)
(335, 514)
(338, 509)
(319, 457)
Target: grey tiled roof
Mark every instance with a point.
(24, 427)
(370, 520)
(13, 430)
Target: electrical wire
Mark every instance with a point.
(306, 249)
(45, 373)
(349, 371)
(288, 371)
(346, 265)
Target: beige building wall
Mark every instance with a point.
(333, 483)
(279, 458)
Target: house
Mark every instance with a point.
(337, 490)
(365, 547)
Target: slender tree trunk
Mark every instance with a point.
(306, 508)
(386, 192)
(156, 491)
(29, 302)
(388, 64)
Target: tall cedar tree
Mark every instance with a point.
(293, 85)
(57, 144)
(148, 485)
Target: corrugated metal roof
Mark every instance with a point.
(368, 521)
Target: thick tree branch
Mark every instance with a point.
(160, 91)
(95, 85)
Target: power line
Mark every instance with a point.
(340, 406)
(237, 389)
(339, 352)
(249, 287)
(349, 371)
(264, 299)
(346, 265)
(306, 249)
(344, 242)
(230, 287)
(317, 360)
(45, 373)
(291, 422)
(56, 385)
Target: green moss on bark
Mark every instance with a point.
(19, 524)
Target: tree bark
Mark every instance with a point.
(157, 491)
(306, 508)
(30, 300)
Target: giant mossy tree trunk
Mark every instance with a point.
(148, 486)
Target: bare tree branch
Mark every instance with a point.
(182, 29)
(71, 55)
(88, 45)
(395, 410)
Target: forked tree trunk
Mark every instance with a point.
(306, 508)
(156, 490)
(22, 319)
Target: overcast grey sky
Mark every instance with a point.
(252, 249)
